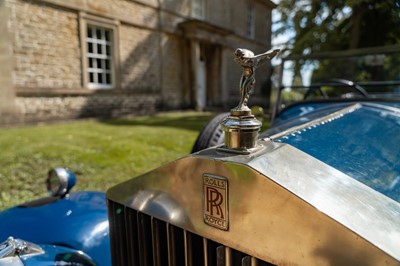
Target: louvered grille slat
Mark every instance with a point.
(187, 249)
(212, 252)
(221, 256)
(246, 261)
(145, 240)
(205, 253)
(160, 244)
(196, 249)
(171, 258)
(132, 248)
(118, 237)
(228, 257)
(139, 239)
(177, 246)
(237, 258)
(254, 262)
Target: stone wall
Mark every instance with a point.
(8, 111)
(172, 71)
(219, 14)
(140, 63)
(68, 107)
(47, 64)
(45, 46)
(177, 7)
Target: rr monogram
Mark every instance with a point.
(215, 201)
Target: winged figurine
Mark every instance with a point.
(249, 62)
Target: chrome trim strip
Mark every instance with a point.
(384, 107)
(317, 121)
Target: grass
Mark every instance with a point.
(100, 153)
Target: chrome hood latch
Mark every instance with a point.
(15, 247)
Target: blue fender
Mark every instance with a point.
(78, 221)
(57, 255)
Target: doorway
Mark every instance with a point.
(207, 67)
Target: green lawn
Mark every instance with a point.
(101, 153)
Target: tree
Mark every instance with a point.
(327, 25)
(331, 25)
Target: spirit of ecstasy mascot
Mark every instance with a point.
(249, 62)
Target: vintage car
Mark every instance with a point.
(321, 186)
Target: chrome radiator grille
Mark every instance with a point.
(140, 239)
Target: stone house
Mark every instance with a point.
(81, 58)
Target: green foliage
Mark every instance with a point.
(100, 153)
(325, 25)
(290, 96)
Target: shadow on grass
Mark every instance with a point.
(193, 123)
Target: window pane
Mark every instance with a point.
(108, 35)
(250, 27)
(98, 34)
(98, 63)
(100, 78)
(91, 77)
(89, 32)
(108, 78)
(90, 47)
(107, 64)
(90, 61)
(108, 50)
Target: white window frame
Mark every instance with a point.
(99, 62)
(89, 22)
(250, 21)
